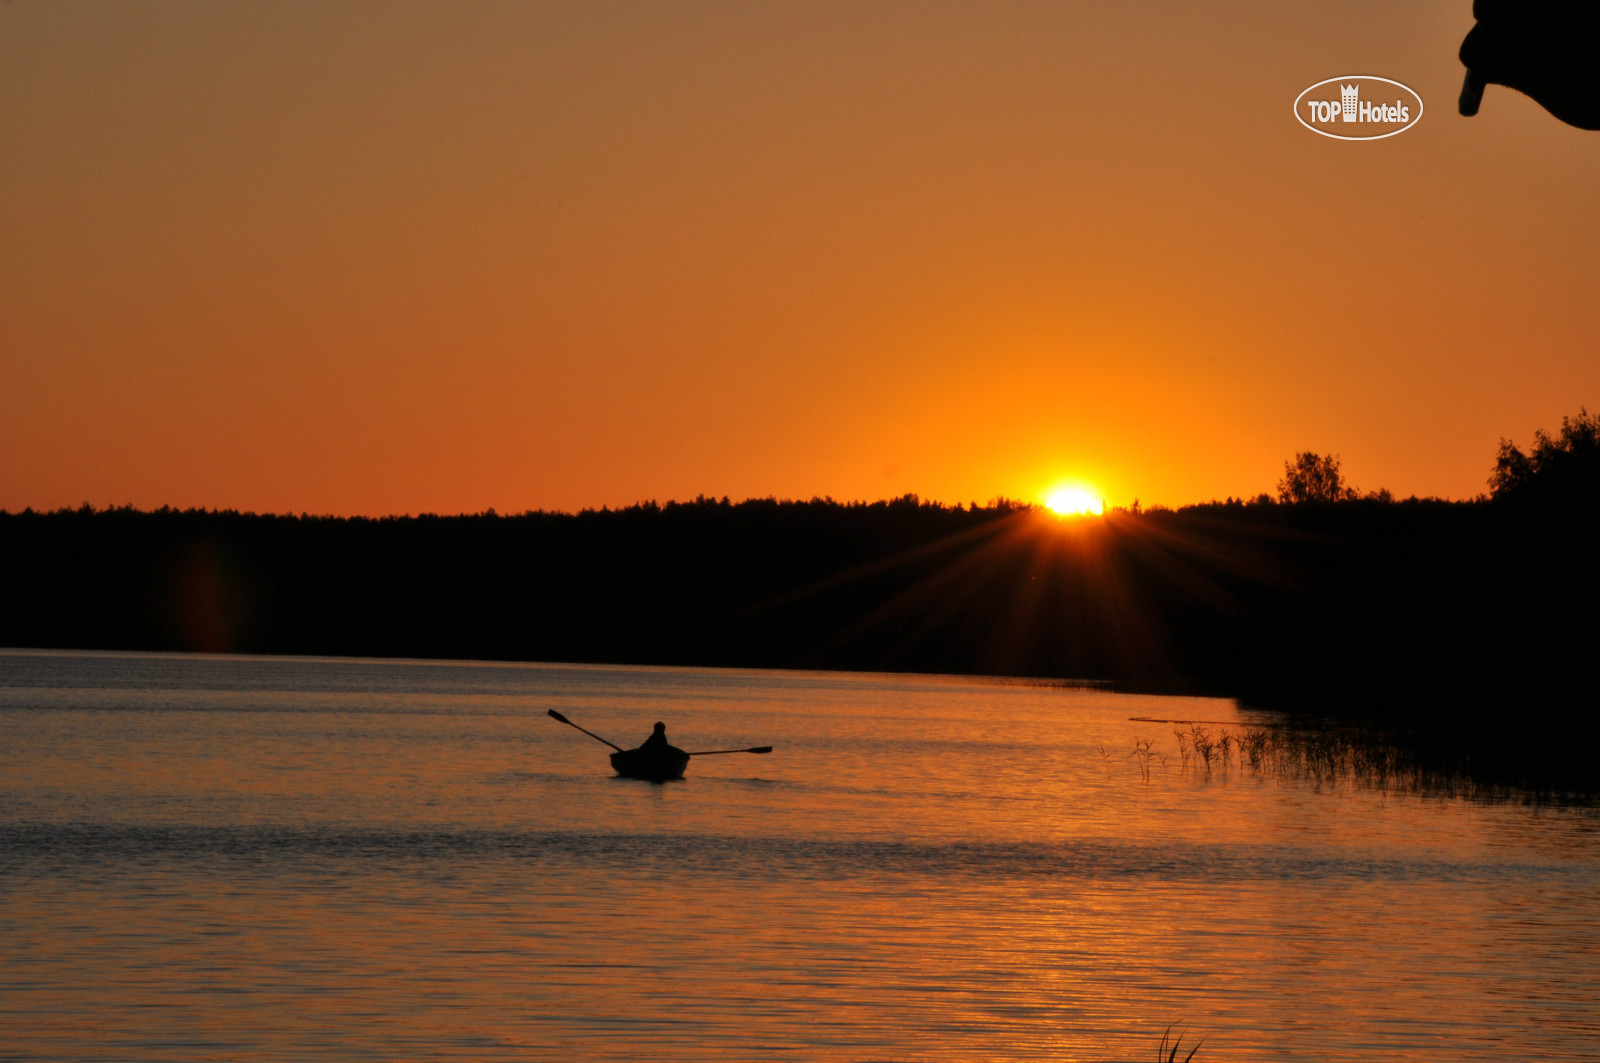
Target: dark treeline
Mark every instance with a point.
(1464, 620)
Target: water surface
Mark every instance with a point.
(265, 858)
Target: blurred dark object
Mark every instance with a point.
(1548, 49)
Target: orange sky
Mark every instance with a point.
(406, 258)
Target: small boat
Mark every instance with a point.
(655, 762)
(657, 765)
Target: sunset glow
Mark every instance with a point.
(1073, 502)
(1033, 510)
(252, 260)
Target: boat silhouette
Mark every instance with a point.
(655, 763)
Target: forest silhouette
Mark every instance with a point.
(1468, 625)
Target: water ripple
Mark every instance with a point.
(25, 846)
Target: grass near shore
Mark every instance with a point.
(1334, 756)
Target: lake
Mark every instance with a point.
(206, 858)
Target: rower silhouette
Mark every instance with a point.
(656, 759)
(657, 739)
(1547, 49)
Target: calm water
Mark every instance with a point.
(254, 859)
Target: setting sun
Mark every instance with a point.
(1072, 501)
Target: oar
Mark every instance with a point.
(591, 734)
(714, 752)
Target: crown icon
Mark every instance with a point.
(1347, 98)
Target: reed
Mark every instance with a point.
(1144, 750)
(1326, 758)
(1447, 762)
(1204, 745)
(1171, 1045)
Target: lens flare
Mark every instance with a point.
(1072, 501)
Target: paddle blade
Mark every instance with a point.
(560, 717)
(715, 752)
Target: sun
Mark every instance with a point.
(1072, 501)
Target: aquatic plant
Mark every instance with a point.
(1329, 755)
(1144, 749)
(1253, 745)
(1170, 1045)
(1204, 745)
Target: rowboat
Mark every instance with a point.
(653, 760)
(657, 765)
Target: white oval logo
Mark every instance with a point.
(1358, 107)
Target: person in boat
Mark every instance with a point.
(657, 742)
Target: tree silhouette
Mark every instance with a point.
(1568, 463)
(1312, 477)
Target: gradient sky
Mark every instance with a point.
(401, 258)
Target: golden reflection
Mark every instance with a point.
(278, 855)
